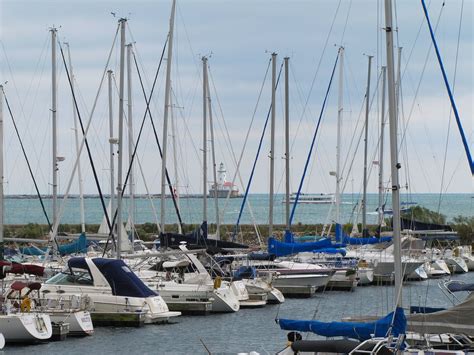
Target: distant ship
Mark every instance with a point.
(224, 187)
(312, 198)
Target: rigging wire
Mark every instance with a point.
(314, 140)
(27, 161)
(147, 111)
(451, 110)
(256, 157)
(147, 100)
(448, 89)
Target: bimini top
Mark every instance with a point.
(121, 279)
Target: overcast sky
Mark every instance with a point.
(238, 37)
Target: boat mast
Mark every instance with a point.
(1, 175)
(76, 135)
(382, 133)
(131, 211)
(204, 139)
(272, 147)
(365, 231)
(54, 98)
(123, 23)
(395, 165)
(112, 141)
(165, 117)
(213, 152)
(175, 158)
(287, 144)
(339, 129)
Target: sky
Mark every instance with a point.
(238, 38)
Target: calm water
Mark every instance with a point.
(246, 330)
(20, 211)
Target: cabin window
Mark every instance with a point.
(76, 277)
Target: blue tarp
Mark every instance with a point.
(78, 246)
(281, 248)
(355, 330)
(344, 238)
(457, 286)
(261, 256)
(121, 279)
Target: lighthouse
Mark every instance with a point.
(224, 188)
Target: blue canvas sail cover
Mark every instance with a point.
(77, 246)
(458, 286)
(355, 330)
(281, 248)
(344, 238)
(121, 279)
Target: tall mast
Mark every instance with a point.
(123, 23)
(175, 159)
(272, 147)
(382, 133)
(340, 105)
(1, 174)
(204, 139)
(76, 135)
(395, 165)
(165, 117)
(112, 141)
(366, 137)
(287, 144)
(131, 211)
(213, 154)
(54, 98)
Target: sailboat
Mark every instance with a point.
(16, 324)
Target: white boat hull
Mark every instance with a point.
(80, 322)
(26, 327)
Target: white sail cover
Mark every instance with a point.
(456, 320)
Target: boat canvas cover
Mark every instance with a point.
(344, 238)
(456, 286)
(354, 330)
(17, 268)
(121, 279)
(197, 237)
(281, 248)
(77, 246)
(455, 320)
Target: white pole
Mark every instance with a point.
(367, 108)
(1, 174)
(272, 147)
(123, 23)
(131, 180)
(339, 129)
(382, 134)
(287, 144)
(165, 117)
(111, 144)
(54, 98)
(175, 158)
(204, 139)
(76, 135)
(392, 108)
(213, 152)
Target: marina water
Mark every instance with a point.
(246, 330)
(28, 210)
